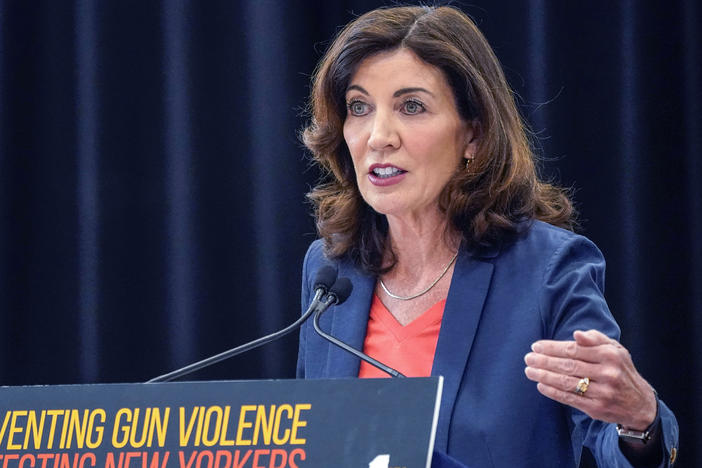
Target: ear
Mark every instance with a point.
(472, 139)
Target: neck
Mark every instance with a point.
(421, 242)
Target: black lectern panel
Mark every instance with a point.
(375, 423)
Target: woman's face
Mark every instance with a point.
(404, 133)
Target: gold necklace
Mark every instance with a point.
(421, 293)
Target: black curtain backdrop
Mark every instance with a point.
(152, 207)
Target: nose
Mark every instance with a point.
(383, 133)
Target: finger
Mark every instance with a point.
(586, 405)
(605, 349)
(568, 349)
(564, 383)
(592, 338)
(565, 366)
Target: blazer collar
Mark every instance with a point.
(464, 306)
(349, 323)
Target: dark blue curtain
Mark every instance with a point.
(152, 185)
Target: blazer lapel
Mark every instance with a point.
(349, 324)
(464, 305)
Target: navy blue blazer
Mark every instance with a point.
(544, 285)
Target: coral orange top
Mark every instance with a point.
(409, 349)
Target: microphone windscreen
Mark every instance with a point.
(341, 289)
(325, 277)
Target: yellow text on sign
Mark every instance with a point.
(256, 424)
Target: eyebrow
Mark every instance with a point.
(402, 91)
(397, 93)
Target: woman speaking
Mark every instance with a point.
(464, 263)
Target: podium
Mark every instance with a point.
(374, 423)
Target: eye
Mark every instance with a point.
(357, 108)
(412, 107)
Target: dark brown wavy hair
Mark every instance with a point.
(492, 200)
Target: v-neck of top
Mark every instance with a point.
(417, 326)
(409, 349)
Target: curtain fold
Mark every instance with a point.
(181, 245)
(87, 112)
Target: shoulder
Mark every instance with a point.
(543, 254)
(543, 243)
(314, 258)
(549, 236)
(315, 253)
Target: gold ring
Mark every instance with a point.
(581, 388)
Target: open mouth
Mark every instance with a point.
(386, 172)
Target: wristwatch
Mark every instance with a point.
(634, 436)
(630, 435)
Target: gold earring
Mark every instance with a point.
(469, 160)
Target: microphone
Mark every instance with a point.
(338, 293)
(326, 276)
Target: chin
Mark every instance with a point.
(388, 209)
(388, 204)
(378, 208)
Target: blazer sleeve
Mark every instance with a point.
(573, 299)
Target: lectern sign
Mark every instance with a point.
(374, 423)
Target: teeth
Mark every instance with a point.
(385, 172)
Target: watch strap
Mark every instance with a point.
(644, 436)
